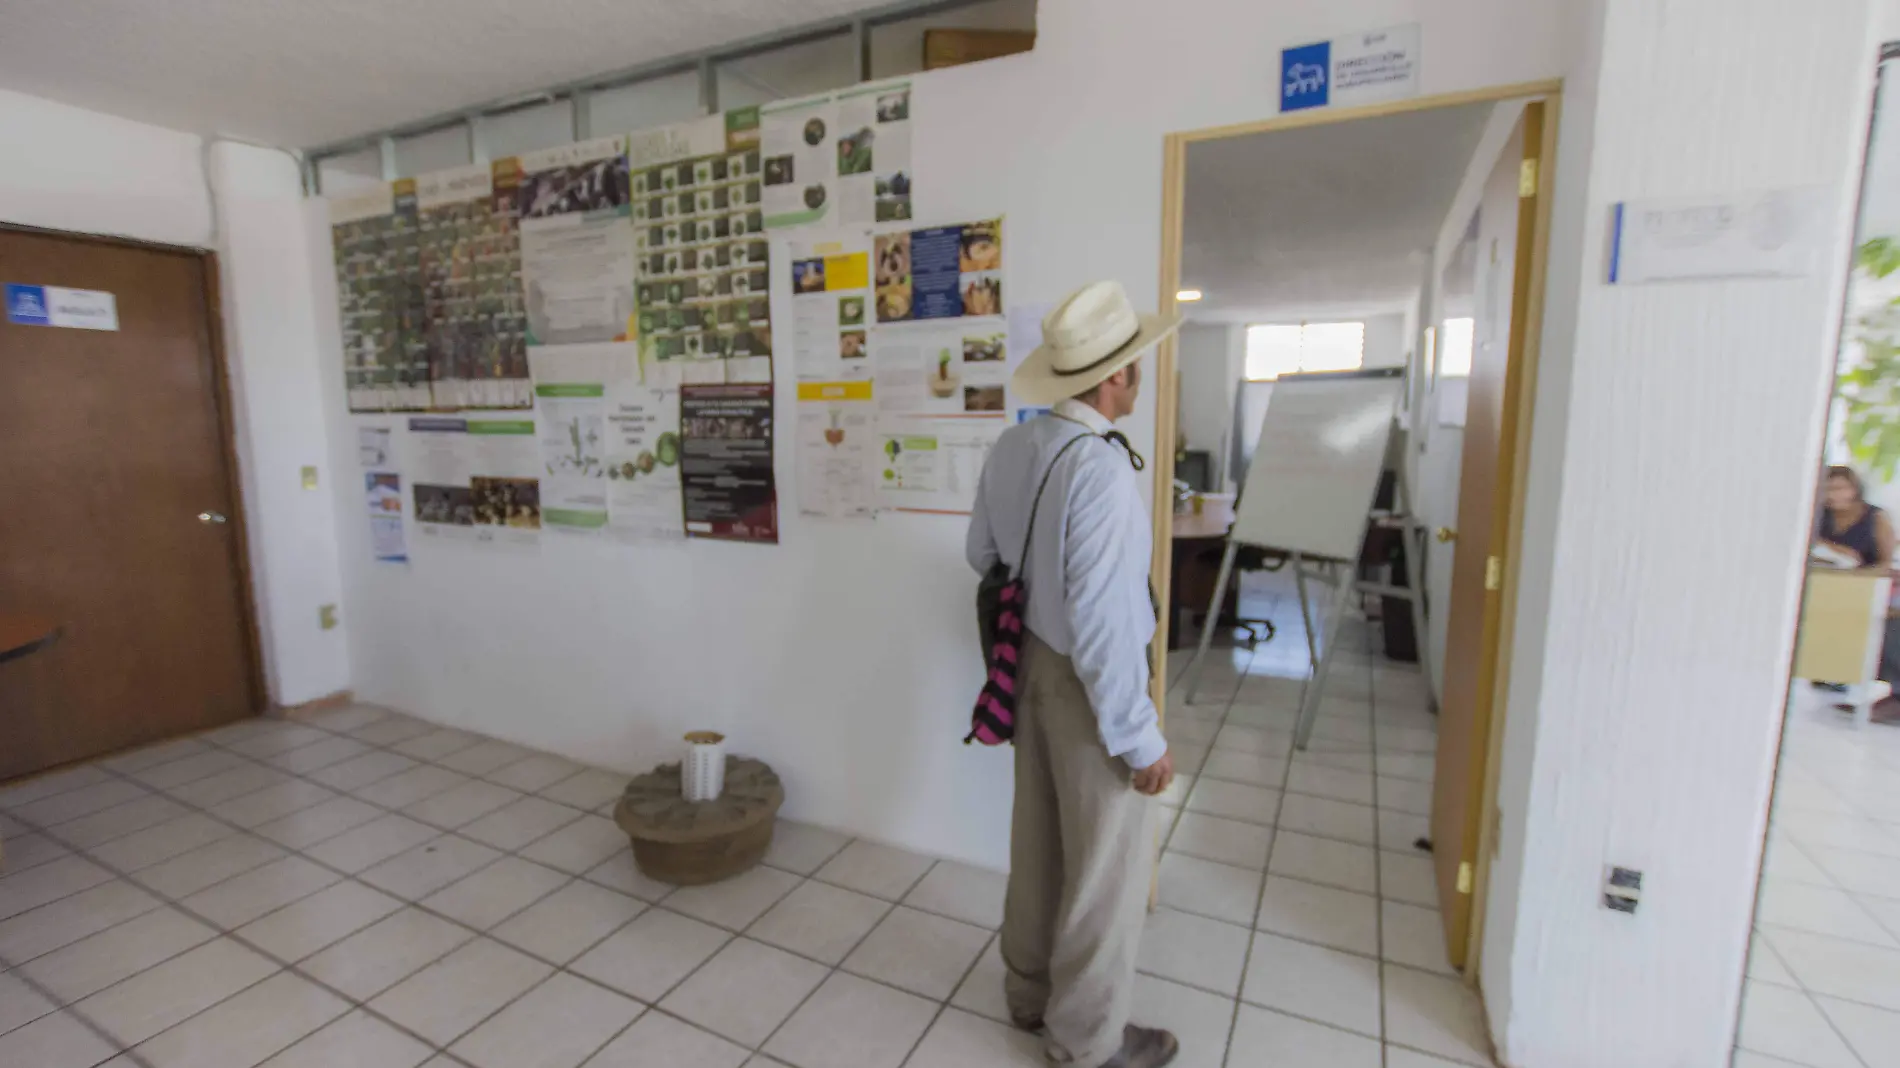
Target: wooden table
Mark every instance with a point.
(22, 635)
(1195, 539)
(1843, 626)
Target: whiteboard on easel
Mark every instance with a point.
(1316, 467)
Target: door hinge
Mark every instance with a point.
(1493, 572)
(1527, 178)
(1464, 877)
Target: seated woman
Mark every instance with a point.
(1852, 527)
(1855, 529)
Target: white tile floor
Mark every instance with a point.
(365, 889)
(1823, 986)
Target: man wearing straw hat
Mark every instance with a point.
(1089, 749)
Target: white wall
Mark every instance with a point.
(1386, 343)
(1649, 669)
(1207, 387)
(71, 169)
(846, 655)
(271, 322)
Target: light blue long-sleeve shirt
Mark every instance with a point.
(1087, 574)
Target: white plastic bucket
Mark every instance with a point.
(703, 773)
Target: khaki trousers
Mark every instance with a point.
(1080, 853)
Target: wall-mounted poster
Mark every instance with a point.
(703, 254)
(831, 299)
(577, 243)
(873, 146)
(726, 462)
(837, 449)
(944, 272)
(643, 460)
(799, 162)
(932, 464)
(570, 392)
(382, 494)
(470, 259)
(476, 479)
(385, 354)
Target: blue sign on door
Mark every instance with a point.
(1306, 76)
(26, 305)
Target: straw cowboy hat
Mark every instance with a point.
(1092, 334)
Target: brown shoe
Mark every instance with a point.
(1144, 1047)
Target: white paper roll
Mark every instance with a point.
(703, 773)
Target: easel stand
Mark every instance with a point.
(1338, 575)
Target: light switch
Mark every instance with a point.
(326, 616)
(309, 478)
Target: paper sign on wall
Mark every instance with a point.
(1359, 68)
(78, 309)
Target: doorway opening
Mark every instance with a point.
(1402, 241)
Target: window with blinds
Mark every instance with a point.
(1275, 349)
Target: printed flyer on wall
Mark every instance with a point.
(470, 261)
(944, 272)
(372, 446)
(577, 243)
(837, 449)
(476, 479)
(873, 138)
(570, 390)
(726, 462)
(958, 368)
(385, 355)
(930, 464)
(703, 255)
(643, 460)
(831, 293)
(799, 161)
(382, 493)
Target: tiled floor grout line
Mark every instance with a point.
(1378, 855)
(60, 1009)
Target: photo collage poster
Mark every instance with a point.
(470, 261)
(379, 297)
(705, 313)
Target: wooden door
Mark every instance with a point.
(112, 445)
(1506, 235)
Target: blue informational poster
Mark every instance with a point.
(943, 272)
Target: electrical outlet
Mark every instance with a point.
(326, 616)
(1623, 890)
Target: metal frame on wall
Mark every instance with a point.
(577, 94)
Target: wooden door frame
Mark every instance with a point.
(253, 652)
(1518, 414)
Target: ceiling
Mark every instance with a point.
(1322, 221)
(299, 74)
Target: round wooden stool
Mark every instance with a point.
(693, 842)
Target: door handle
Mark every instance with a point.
(211, 517)
(1447, 534)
